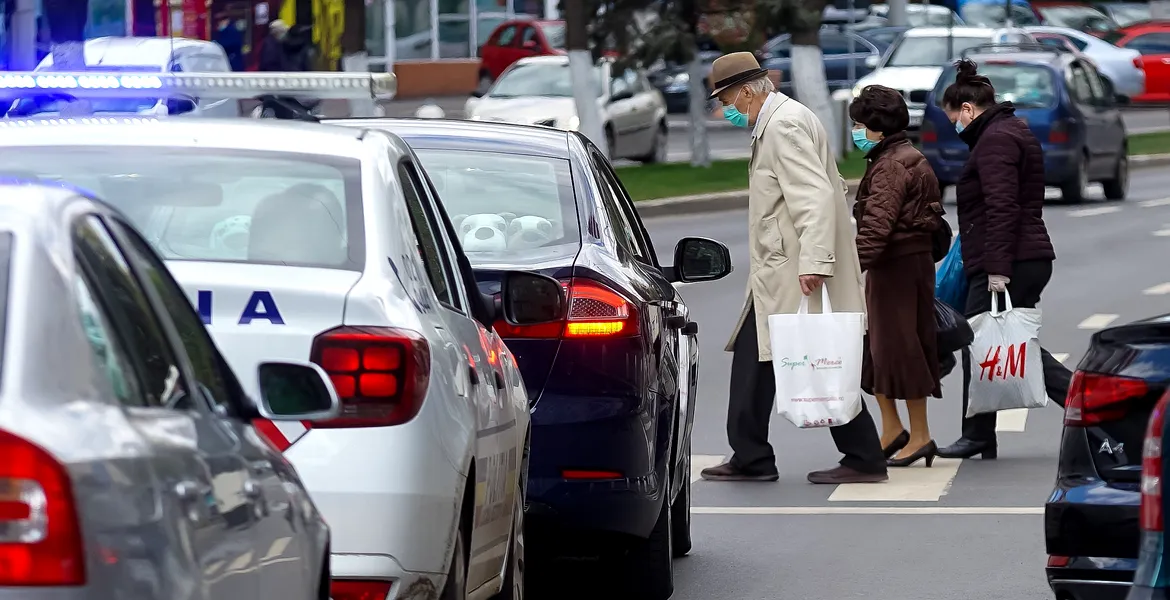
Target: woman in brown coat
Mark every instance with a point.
(898, 209)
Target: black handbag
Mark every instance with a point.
(952, 329)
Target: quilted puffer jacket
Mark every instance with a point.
(1001, 194)
(893, 211)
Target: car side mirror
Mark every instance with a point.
(179, 106)
(872, 61)
(296, 391)
(700, 259)
(530, 299)
(622, 95)
(478, 93)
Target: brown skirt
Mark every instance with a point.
(900, 357)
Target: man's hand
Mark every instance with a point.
(810, 283)
(997, 283)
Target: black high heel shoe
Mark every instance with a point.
(899, 442)
(966, 448)
(925, 452)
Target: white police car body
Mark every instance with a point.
(298, 241)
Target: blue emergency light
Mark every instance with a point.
(345, 86)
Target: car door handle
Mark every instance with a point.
(499, 380)
(676, 322)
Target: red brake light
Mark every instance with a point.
(40, 540)
(380, 374)
(1058, 133)
(595, 311)
(1094, 398)
(928, 133)
(348, 589)
(1151, 511)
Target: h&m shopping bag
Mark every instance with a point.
(1006, 371)
(817, 362)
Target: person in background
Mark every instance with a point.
(800, 238)
(1006, 247)
(231, 39)
(272, 49)
(297, 45)
(898, 209)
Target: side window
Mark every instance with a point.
(1095, 86)
(1079, 43)
(633, 80)
(620, 83)
(206, 363)
(132, 317)
(507, 36)
(611, 200)
(433, 207)
(1150, 44)
(1079, 81)
(529, 36)
(107, 349)
(629, 214)
(780, 50)
(429, 245)
(835, 44)
(1053, 41)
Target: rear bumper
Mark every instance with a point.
(1138, 592)
(1092, 579)
(404, 584)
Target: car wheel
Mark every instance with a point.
(680, 513)
(514, 578)
(648, 572)
(1074, 191)
(658, 152)
(456, 586)
(1118, 187)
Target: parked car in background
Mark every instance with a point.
(914, 62)
(674, 81)
(1106, 505)
(883, 37)
(136, 472)
(1122, 67)
(517, 39)
(991, 13)
(1065, 103)
(1080, 16)
(921, 15)
(1152, 41)
(777, 55)
(1125, 13)
(539, 91)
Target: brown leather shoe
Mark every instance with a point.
(729, 472)
(842, 474)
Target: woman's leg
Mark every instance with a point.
(919, 427)
(891, 421)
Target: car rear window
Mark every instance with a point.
(504, 204)
(219, 205)
(932, 51)
(5, 260)
(1026, 86)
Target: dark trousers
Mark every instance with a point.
(753, 395)
(1027, 282)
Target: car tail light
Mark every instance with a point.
(40, 540)
(1094, 398)
(928, 133)
(1058, 561)
(595, 311)
(350, 589)
(589, 474)
(380, 374)
(1058, 133)
(1151, 511)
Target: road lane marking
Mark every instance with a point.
(1163, 232)
(1092, 212)
(1097, 321)
(241, 561)
(277, 548)
(867, 510)
(1158, 290)
(703, 461)
(1154, 203)
(909, 484)
(1013, 420)
(213, 567)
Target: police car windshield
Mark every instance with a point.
(211, 204)
(504, 204)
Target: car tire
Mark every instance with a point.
(610, 144)
(455, 587)
(1073, 192)
(680, 513)
(1118, 187)
(659, 151)
(648, 572)
(515, 579)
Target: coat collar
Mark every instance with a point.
(887, 143)
(972, 132)
(778, 99)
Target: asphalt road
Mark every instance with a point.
(795, 540)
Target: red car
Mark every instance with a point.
(1152, 40)
(513, 40)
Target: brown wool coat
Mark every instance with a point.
(893, 203)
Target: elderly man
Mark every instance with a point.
(800, 237)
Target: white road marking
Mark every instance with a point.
(1014, 420)
(703, 461)
(1154, 203)
(1158, 290)
(1060, 356)
(1163, 232)
(213, 567)
(867, 510)
(1092, 212)
(910, 484)
(277, 548)
(1098, 321)
(241, 561)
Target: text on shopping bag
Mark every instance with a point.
(1012, 365)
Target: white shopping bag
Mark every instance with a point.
(817, 361)
(1006, 369)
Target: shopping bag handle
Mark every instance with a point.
(1007, 299)
(826, 306)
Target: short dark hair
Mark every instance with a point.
(880, 109)
(969, 87)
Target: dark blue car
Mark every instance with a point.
(1067, 104)
(1151, 581)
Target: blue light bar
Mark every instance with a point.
(85, 82)
(345, 86)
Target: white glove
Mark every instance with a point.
(997, 283)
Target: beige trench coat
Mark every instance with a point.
(799, 221)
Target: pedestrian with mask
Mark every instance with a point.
(272, 49)
(800, 237)
(1006, 247)
(898, 211)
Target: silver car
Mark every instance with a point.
(1120, 66)
(130, 468)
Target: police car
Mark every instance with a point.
(299, 241)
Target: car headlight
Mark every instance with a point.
(572, 123)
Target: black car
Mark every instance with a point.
(1091, 521)
(612, 386)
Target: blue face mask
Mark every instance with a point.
(863, 143)
(733, 116)
(958, 126)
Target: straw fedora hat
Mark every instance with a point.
(734, 69)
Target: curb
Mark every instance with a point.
(737, 200)
(685, 124)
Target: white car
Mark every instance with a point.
(1120, 66)
(921, 15)
(913, 64)
(299, 241)
(538, 91)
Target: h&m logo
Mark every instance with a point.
(1013, 366)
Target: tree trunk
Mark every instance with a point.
(700, 148)
(581, 73)
(808, 72)
(66, 20)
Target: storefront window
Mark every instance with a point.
(376, 29)
(412, 29)
(454, 29)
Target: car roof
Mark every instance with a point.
(24, 203)
(134, 51)
(483, 136)
(960, 31)
(1054, 59)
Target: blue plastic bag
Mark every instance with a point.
(950, 282)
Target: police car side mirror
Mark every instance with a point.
(530, 299)
(296, 391)
(699, 259)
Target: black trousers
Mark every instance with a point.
(1027, 282)
(753, 395)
